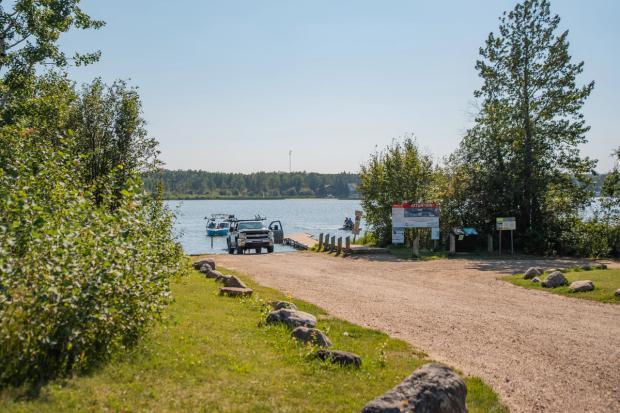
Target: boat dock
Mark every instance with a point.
(304, 241)
(300, 241)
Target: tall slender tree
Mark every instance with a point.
(523, 149)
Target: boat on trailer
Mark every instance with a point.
(218, 225)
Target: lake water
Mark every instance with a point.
(311, 216)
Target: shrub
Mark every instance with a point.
(78, 280)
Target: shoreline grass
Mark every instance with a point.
(606, 282)
(213, 354)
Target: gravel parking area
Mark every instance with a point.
(541, 352)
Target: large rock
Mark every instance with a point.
(208, 271)
(292, 318)
(586, 267)
(600, 266)
(343, 358)
(208, 261)
(555, 279)
(532, 272)
(278, 305)
(236, 292)
(234, 282)
(581, 286)
(311, 335)
(219, 277)
(535, 280)
(433, 388)
(617, 293)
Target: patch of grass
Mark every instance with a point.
(606, 282)
(214, 354)
(406, 253)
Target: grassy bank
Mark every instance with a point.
(212, 355)
(606, 282)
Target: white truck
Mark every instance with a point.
(250, 234)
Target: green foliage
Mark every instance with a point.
(201, 184)
(77, 281)
(399, 173)
(29, 33)
(521, 158)
(111, 135)
(611, 185)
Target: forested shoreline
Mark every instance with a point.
(195, 184)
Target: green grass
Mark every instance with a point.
(213, 354)
(406, 253)
(606, 282)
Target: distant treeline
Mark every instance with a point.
(187, 184)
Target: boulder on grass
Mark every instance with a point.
(292, 318)
(555, 279)
(311, 335)
(236, 292)
(617, 293)
(278, 305)
(600, 266)
(532, 272)
(343, 358)
(581, 286)
(586, 267)
(219, 277)
(433, 388)
(234, 282)
(205, 261)
(208, 271)
(535, 280)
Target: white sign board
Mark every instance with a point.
(506, 224)
(398, 235)
(435, 233)
(423, 215)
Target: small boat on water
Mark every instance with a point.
(218, 225)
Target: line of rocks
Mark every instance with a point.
(305, 331)
(233, 286)
(556, 278)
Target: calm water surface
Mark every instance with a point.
(312, 216)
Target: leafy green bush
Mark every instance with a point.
(78, 280)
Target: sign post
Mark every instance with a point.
(506, 224)
(414, 215)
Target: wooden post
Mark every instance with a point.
(347, 242)
(320, 241)
(490, 243)
(339, 245)
(452, 243)
(416, 246)
(326, 242)
(333, 243)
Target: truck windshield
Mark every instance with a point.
(250, 225)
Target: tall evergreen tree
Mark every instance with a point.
(523, 150)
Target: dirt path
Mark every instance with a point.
(540, 351)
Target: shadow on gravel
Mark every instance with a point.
(506, 264)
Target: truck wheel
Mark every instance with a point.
(231, 250)
(258, 250)
(240, 251)
(269, 250)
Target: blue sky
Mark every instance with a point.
(234, 85)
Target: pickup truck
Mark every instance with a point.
(247, 235)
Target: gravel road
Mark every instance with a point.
(541, 352)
